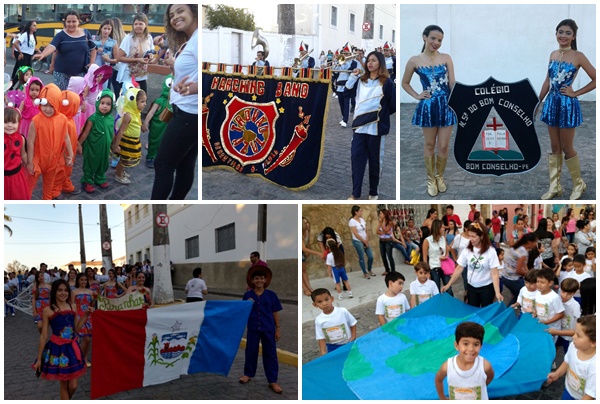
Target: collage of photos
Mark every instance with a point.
(385, 201)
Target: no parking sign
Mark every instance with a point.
(162, 220)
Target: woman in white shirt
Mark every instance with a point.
(24, 47)
(481, 261)
(436, 249)
(175, 163)
(360, 240)
(132, 53)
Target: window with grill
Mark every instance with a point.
(225, 238)
(192, 247)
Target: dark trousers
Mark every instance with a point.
(480, 297)
(514, 287)
(269, 354)
(386, 249)
(437, 275)
(115, 84)
(177, 156)
(193, 299)
(365, 148)
(344, 101)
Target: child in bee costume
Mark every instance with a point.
(153, 122)
(95, 141)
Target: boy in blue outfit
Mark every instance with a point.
(263, 327)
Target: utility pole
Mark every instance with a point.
(81, 242)
(162, 292)
(261, 231)
(105, 239)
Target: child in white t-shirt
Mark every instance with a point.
(526, 299)
(590, 261)
(564, 269)
(568, 287)
(196, 287)
(578, 273)
(392, 303)
(334, 327)
(549, 309)
(580, 362)
(468, 373)
(336, 266)
(423, 288)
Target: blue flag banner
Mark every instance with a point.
(406, 353)
(268, 126)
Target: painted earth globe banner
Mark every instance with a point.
(495, 132)
(399, 360)
(268, 126)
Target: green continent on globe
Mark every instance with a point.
(356, 366)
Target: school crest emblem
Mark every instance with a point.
(495, 133)
(248, 132)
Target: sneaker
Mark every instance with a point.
(104, 185)
(122, 180)
(126, 174)
(343, 124)
(75, 191)
(373, 197)
(150, 163)
(87, 187)
(340, 297)
(13, 314)
(350, 295)
(335, 95)
(352, 198)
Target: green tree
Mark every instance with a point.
(227, 16)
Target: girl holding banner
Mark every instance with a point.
(436, 72)
(375, 102)
(140, 279)
(561, 110)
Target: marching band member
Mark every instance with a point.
(390, 61)
(375, 102)
(260, 61)
(308, 61)
(343, 95)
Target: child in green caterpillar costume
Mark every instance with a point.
(153, 122)
(96, 138)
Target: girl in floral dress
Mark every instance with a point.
(40, 299)
(83, 299)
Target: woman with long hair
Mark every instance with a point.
(375, 102)
(133, 53)
(546, 238)
(561, 110)
(481, 262)
(175, 163)
(386, 241)
(431, 216)
(360, 241)
(436, 72)
(515, 265)
(435, 249)
(105, 43)
(24, 46)
(40, 298)
(118, 35)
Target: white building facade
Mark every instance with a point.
(219, 239)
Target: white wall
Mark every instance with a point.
(190, 220)
(509, 42)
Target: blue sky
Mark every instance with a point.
(42, 233)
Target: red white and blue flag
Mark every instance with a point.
(140, 348)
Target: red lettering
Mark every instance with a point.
(295, 89)
(244, 86)
(236, 85)
(304, 90)
(215, 83)
(278, 91)
(222, 82)
(261, 88)
(286, 91)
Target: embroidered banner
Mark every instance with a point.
(130, 301)
(264, 125)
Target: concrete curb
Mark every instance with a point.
(285, 357)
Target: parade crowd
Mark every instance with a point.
(47, 124)
(549, 269)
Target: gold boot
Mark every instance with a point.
(440, 166)
(579, 186)
(555, 162)
(432, 188)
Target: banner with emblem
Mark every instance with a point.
(129, 301)
(268, 126)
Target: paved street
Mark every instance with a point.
(142, 178)
(362, 307)
(335, 180)
(20, 349)
(465, 186)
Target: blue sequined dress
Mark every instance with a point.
(561, 110)
(61, 357)
(434, 112)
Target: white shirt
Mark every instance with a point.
(460, 243)
(479, 266)
(361, 228)
(572, 313)
(128, 46)
(195, 287)
(434, 252)
(391, 307)
(423, 291)
(581, 375)
(526, 299)
(578, 278)
(27, 47)
(334, 327)
(547, 306)
(467, 384)
(186, 64)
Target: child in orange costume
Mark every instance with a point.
(48, 137)
(63, 176)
